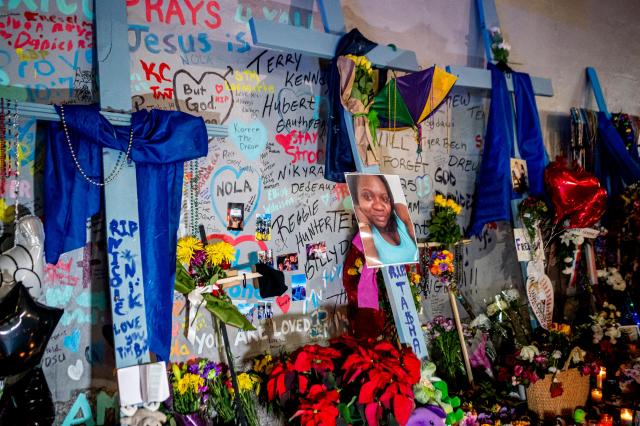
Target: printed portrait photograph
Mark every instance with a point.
(235, 216)
(287, 262)
(263, 227)
(387, 232)
(265, 257)
(519, 176)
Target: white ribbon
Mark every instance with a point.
(195, 302)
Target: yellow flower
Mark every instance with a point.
(245, 382)
(358, 263)
(415, 278)
(182, 386)
(186, 247)
(220, 252)
(440, 201)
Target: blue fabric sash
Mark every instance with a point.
(338, 156)
(162, 142)
(493, 187)
(614, 166)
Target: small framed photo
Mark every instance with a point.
(519, 176)
(287, 262)
(265, 257)
(317, 251)
(235, 216)
(263, 227)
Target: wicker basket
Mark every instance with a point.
(575, 393)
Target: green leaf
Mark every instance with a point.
(226, 312)
(184, 283)
(355, 93)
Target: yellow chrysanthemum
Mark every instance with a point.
(220, 253)
(440, 201)
(245, 382)
(358, 263)
(186, 247)
(415, 278)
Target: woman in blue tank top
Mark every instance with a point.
(386, 229)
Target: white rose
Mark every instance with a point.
(601, 272)
(578, 356)
(502, 305)
(511, 295)
(528, 352)
(613, 333)
(553, 369)
(481, 321)
(492, 309)
(494, 30)
(556, 354)
(597, 333)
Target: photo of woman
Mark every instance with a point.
(386, 229)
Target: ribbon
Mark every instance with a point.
(195, 302)
(367, 285)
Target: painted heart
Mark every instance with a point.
(250, 139)
(196, 95)
(244, 245)
(284, 303)
(423, 186)
(72, 341)
(230, 185)
(540, 295)
(75, 371)
(286, 97)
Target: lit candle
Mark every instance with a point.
(606, 420)
(626, 417)
(601, 376)
(596, 395)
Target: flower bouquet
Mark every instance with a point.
(356, 89)
(190, 384)
(248, 386)
(197, 272)
(445, 350)
(443, 227)
(499, 47)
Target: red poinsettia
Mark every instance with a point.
(282, 379)
(314, 357)
(387, 376)
(318, 407)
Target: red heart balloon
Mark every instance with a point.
(576, 194)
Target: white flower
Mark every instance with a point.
(566, 238)
(578, 239)
(602, 273)
(578, 356)
(567, 271)
(481, 321)
(613, 333)
(556, 354)
(494, 30)
(492, 309)
(553, 369)
(568, 260)
(502, 305)
(505, 46)
(528, 352)
(597, 333)
(512, 295)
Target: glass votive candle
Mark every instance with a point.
(606, 420)
(596, 395)
(626, 417)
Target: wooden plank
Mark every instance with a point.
(48, 113)
(478, 78)
(271, 35)
(396, 281)
(332, 19)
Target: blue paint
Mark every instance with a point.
(237, 173)
(58, 296)
(92, 300)
(78, 315)
(81, 405)
(72, 341)
(250, 139)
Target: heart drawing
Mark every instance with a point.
(75, 371)
(242, 253)
(72, 341)
(284, 303)
(209, 96)
(230, 185)
(540, 295)
(250, 139)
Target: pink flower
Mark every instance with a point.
(540, 359)
(518, 370)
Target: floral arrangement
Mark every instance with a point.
(505, 315)
(629, 377)
(443, 227)
(248, 386)
(362, 88)
(499, 47)
(605, 325)
(351, 379)
(613, 278)
(547, 353)
(441, 265)
(533, 212)
(191, 382)
(444, 349)
(198, 270)
(571, 242)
